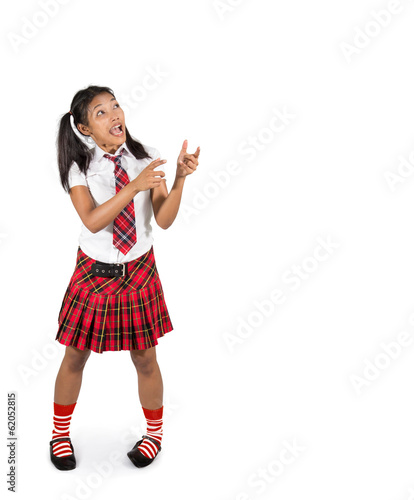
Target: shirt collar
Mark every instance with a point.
(99, 152)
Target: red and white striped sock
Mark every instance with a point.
(61, 421)
(154, 430)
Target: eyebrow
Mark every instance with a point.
(113, 99)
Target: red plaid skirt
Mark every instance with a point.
(114, 313)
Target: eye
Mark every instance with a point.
(100, 111)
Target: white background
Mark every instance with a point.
(312, 373)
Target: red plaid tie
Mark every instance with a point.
(124, 234)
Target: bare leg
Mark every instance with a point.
(69, 377)
(150, 386)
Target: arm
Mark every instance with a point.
(165, 205)
(97, 218)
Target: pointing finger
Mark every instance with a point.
(156, 163)
(184, 146)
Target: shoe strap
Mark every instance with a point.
(153, 440)
(60, 439)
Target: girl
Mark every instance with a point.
(114, 300)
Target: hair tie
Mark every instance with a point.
(71, 112)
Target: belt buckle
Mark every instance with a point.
(123, 267)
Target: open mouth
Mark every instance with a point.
(117, 131)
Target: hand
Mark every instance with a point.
(187, 163)
(149, 178)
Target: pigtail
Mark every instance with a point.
(136, 148)
(69, 149)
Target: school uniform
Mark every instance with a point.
(109, 312)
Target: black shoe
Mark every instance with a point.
(138, 458)
(63, 463)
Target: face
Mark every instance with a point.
(104, 114)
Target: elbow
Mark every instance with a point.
(90, 226)
(93, 229)
(161, 224)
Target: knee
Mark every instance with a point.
(75, 359)
(144, 363)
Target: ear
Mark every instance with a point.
(83, 129)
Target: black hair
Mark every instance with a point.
(70, 148)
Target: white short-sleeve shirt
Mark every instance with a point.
(100, 180)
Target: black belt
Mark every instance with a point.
(104, 269)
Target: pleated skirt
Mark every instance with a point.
(114, 313)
